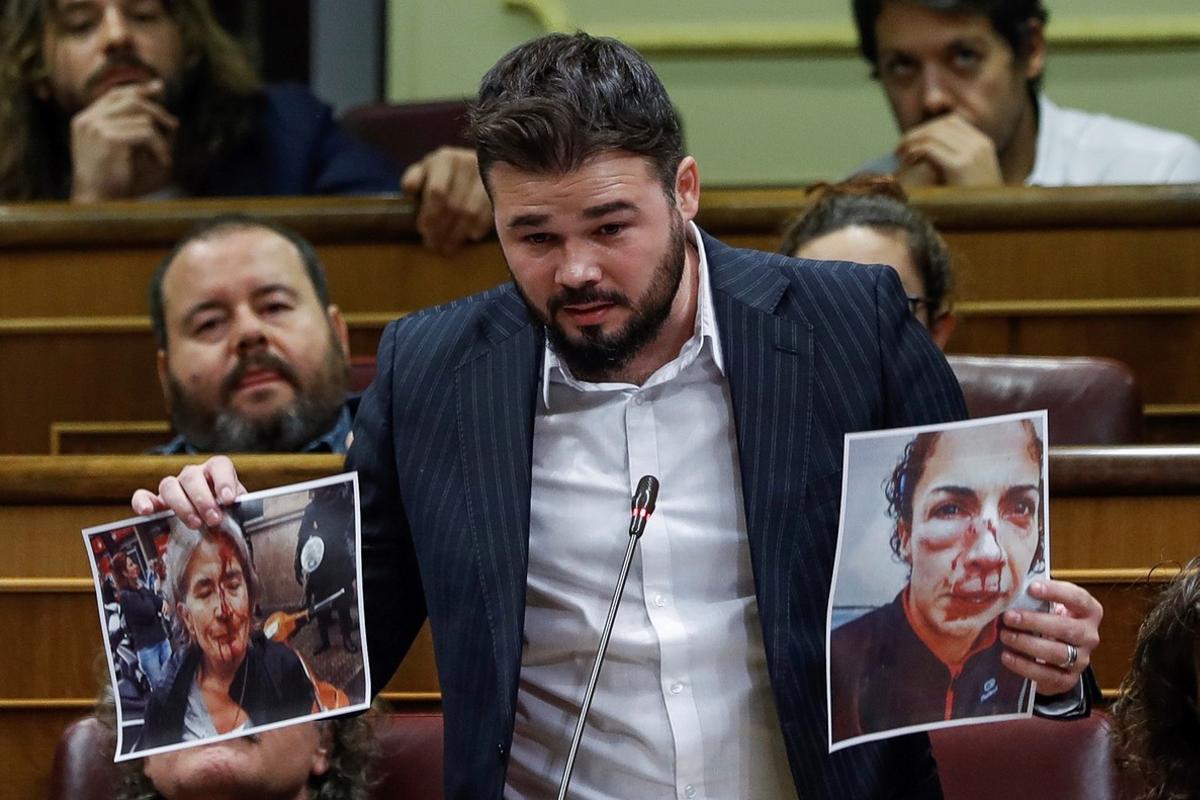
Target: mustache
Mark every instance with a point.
(572, 296)
(118, 60)
(257, 361)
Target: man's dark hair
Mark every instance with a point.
(218, 100)
(1158, 710)
(901, 485)
(878, 202)
(1010, 19)
(215, 228)
(550, 104)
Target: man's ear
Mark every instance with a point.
(1035, 57)
(687, 188)
(341, 331)
(942, 327)
(164, 377)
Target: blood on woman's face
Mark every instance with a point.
(216, 603)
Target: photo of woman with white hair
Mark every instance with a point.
(243, 656)
(225, 676)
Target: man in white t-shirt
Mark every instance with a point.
(963, 80)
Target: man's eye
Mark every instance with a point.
(75, 25)
(206, 326)
(537, 238)
(611, 228)
(276, 308)
(966, 58)
(899, 68)
(148, 11)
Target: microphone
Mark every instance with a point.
(641, 507)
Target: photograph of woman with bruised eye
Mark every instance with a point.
(966, 531)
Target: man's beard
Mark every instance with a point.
(312, 413)
(598, 356)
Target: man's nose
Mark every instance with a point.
(936, 95)
(249, 333)
(578, 267)
(114, 27)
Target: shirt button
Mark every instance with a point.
(659, 600)
(689, 790)
(676, 688)
(638, 400)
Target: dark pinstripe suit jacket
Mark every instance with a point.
(442, 444)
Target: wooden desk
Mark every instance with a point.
(1094, 271)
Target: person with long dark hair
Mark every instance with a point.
(113, 99)
(144, 610)
(1158, 710)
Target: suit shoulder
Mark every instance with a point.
(464, 308)
(440, 333)
(797, 270)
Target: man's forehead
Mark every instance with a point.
(604, 182)
(904, 26)
(232, 264)
(64, 6)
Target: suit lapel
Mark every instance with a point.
(496, 385)
(769, 365)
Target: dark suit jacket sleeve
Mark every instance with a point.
(300, 149)
(394, 601)
(920, 388)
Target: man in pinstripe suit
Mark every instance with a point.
(499, 443)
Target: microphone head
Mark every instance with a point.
(645, 496)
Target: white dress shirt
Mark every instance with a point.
(683, 707)
(1078, 148)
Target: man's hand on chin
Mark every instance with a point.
(947, 151)
(121, 144)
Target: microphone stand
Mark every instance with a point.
(643, 506)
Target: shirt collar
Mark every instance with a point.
(704, 332)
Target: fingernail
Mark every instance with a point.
(193, 521)
(227, 495)
(213, 516)
(1037, 588)
(1012, 617)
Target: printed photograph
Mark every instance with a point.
(942, 529)
(229, 630)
